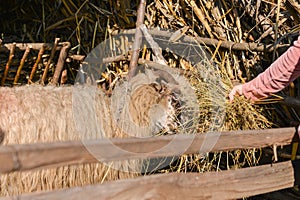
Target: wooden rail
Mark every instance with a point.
(33, 156)
(231, 184)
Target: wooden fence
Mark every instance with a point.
(231, 184)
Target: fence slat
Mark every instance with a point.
(231, 184)
(32, 156)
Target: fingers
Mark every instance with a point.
(236, 90)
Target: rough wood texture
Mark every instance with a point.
(23, 46)
(32, 156)
(60, 63)
(259, 47)
(137, 38)
(230, 184)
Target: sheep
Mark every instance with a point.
(140, 107)
(37, 114)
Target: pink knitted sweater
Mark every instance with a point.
(282, 72)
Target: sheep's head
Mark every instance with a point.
(155, 101)
(155, 106)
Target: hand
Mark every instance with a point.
(236, 90)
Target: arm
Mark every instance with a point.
(279, 75)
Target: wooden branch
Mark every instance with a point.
(137, 39)
(23, 46)
(259, 47)
(231, 184)
(78, 57)
(60, 63)
(114, 58)
(11, 56)
(44, 77)
(38, 60)
(32, 156)
(22, 62)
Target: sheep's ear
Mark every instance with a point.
(156, 86)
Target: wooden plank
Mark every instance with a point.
(231, 184)
(33, 156)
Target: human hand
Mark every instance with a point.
(236, 90)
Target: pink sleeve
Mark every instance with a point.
(282, 72)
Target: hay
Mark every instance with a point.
(212, 85)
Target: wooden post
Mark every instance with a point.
(60, 63)
(137, 39)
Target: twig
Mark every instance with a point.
(60, 63)
(21, 64)
(78, 57)
(11, 56)
(138, 39)
(38, 60)
(50, 60)
(114, 58)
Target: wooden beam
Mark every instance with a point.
(259, 47)
(34, 46)
(33, 156)
(231, 184)
(23, 46)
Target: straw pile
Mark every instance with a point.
(236, 23)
